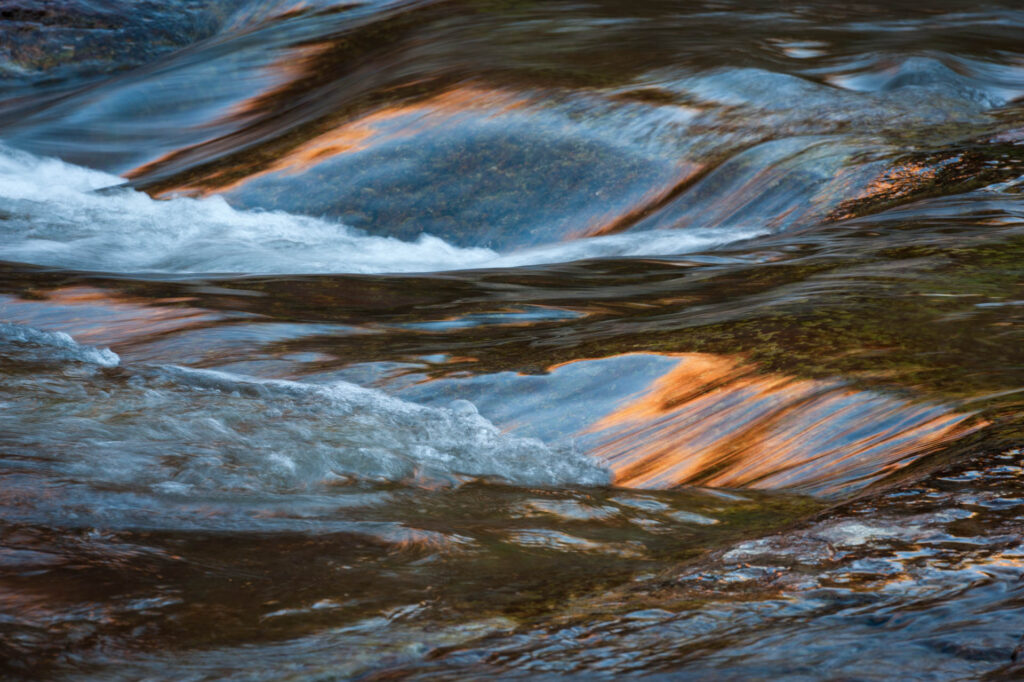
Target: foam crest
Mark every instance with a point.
(52, 215)
(639, 243)
(173, 430)
(26, 344)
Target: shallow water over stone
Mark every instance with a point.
(452, 339)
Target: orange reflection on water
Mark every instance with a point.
(381, 124)
(98, 317)
(896, 183)
(649, 203)
(387, 123)
(713, 421)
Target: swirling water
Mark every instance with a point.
(443, 339)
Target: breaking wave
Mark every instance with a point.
(73, 414)
(61, 215)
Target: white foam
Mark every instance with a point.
(643, 243)
(173, 430)
(53, 217)
(50, 215)
(35, 345)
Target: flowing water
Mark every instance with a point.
(443, 339)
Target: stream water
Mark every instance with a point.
(452, 339)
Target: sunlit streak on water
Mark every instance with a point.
(711, 421)
(712, 364)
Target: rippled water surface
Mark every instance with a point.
(498, 338)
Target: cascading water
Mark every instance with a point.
(453, 339)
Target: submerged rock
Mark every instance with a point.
(47, 41)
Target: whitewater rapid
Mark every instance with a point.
(52, 214)
(122, 442)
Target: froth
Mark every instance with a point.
(168, 429)
(25, 344)
(51, 214)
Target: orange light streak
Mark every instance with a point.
(713, 421)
